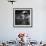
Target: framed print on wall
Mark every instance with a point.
(22, 17)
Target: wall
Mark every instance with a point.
(37, 32)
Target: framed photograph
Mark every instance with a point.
(22, 17)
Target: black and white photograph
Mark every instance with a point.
(22, 17)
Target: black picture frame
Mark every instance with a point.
(22, 17)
